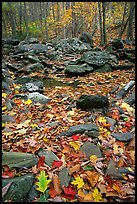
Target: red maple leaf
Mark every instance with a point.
(41, 161)
(75, 137)
(56, 164)
(69, 192)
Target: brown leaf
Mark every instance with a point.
(56, 182)
(92, 177)
(75, 168)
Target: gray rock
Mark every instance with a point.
(25, 79)
(117, 44)
(13, 42)
(36, 48)
(123, 136)
(49, 157)
(64, 177)
(33, 193)
(34, 67)
(111, 121)
(8, 118)
(19, 188)
(19, 159)
(92, 101)
(122, 92)
(38, 98)
(93, 134)
(97, 58)
(72, 45)
(90, 149)
(112, 171)
(78, 69)
(130, 99)
(79, 129)
(87, 38)
(33, 58)
(32, 87)
(104, 68)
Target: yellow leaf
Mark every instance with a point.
(4, 95)
(3, 124)
(34, 125)
(4, 108)
(102, 120)
(97, 196)
(126, 106)
(79, 182)
(75, 145)
(93, 158)
(28, 102)
(45, 139)
(71, 113)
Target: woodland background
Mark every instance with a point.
(57, 20)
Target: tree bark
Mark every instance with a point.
(100, 23)
(123, 21)
(12, 20)
(104, 22)
(73, 20)
(130, 23)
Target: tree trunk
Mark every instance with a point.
(73, 20)
(41, 19)
(12, 20)
(46, 23)
(100, 23)
(26, 19)
(130, 23)
(104, 22)
(123, 21)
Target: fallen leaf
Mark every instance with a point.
(56, 164)
(75, 168)
(75, 145)
(79, 182)
(41, 161)
(97, 196)
(43, 182)
(75, 137)
(85, 196)
(28, 102)
(56, 183)
(92, 177)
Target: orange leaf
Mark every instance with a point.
(75, 168)
(52, 192)
(92, 177)
(17, 101)
(56, 182)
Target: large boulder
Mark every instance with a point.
(86, 38)
(39, 98)
(12, 42)
(117, 44)
(78, 69)
(36, 48)
(72, 45)
(87, 102)
(79, 129)
(19, 188)
(97, 58)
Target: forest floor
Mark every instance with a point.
(88, 182)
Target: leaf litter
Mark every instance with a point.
(85, 179)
